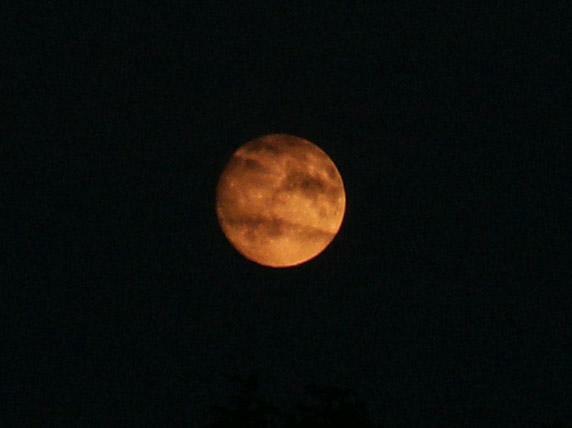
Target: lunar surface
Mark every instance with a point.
(280, 200)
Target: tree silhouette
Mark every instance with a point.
(247, 409)
(330, 406)
(319, 406)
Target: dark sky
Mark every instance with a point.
(444, 297)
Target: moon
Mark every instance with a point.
(280, 200)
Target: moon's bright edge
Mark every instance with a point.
(280, 200)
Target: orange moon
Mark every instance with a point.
(280, 200)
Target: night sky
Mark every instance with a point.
(443, 299)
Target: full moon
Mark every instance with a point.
(280, 200)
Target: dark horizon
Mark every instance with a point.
(446, 290)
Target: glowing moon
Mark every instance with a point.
(280, 200)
